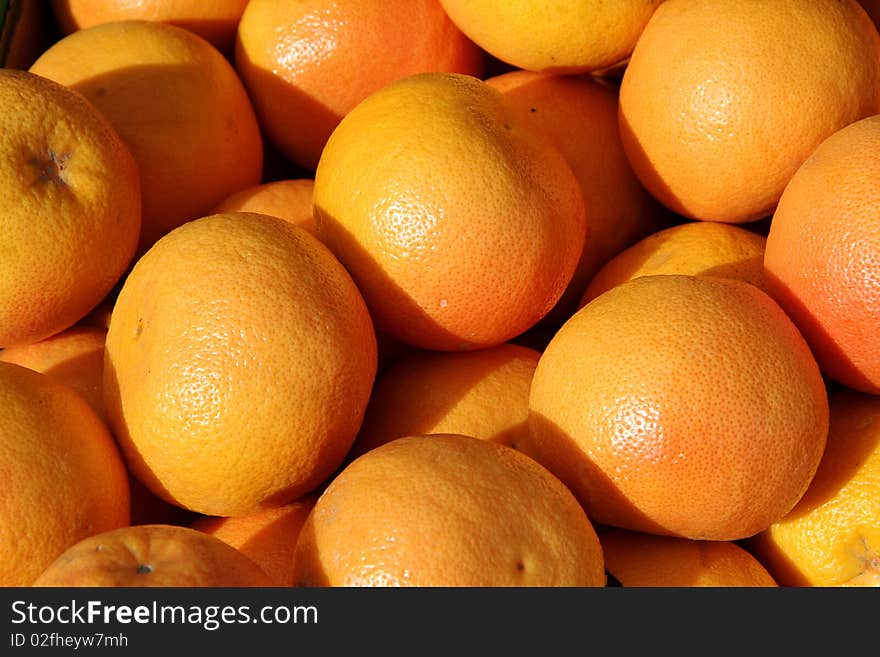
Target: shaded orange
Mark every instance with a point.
(461, 226)
(152, 556)
(316, 59)
(681, 405)
(290, 200)
(823, 254)
(447, 510)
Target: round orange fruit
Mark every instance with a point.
(238, 364)
(411, 513)
(823, 254)
(290, 200)
(307, 64)
(461, 226)
(722, 100)
(63, 477)
(680, 405)
(71, 205)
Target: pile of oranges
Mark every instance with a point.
(441, 293)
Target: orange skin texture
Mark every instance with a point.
(578, 114)
(71, 207)
(268, 536)
(830, 283)
(177, 104)
(74, 357)
(317, 59)
(152, 556)
(832, 537)
(216, 21)
(722, 101)
(697, 248)
(566, 37)
(407, 513)
(461, 227)
(290, 200)
(680, 405)
(482, 393)
(238, 364)
(63, 478)
(636, 559)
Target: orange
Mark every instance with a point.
(636, 559)
(179, 106)
(447, 510)
(63, 478)
(74, 357)
(482, 393)
(152, 556)
(872, 7)
(268, 537)
(578, 114)
(568, 36)
(680, 405)
(722, 100)
(215, 21)
(832, 536)
(307, 64)
(70, 201)
(238, 364)
(823, 254)
(696, 248)
(288, 199)
(461, 226)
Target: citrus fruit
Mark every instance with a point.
(578, 114)
(216, 21)
(238, 364)
(482, 393)
(288, 199)
(447, 510)
(152, 556)
(637, 559)
(461, 226)
(314, 60)
(268, 536)
(832, 536)
(696, 248)
(63, 478)
(723, 100)
(71, 206)
(568, 36)
(74, 357)
(680, 405)
(177, 103)
(823, 254)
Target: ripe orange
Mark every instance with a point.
(569, 36)
(63, 478)
(695, 248)
(290, 200)
(152, 556)
(179, 106)
(638, 559)
(680, 405)
(460, 225)
(216, 21)
(268, 537)
(74, 357)
(578, 114)
(482, 393)
(306, 64)
(447, 510)
(70, 201)
(723, 100)
(823, 254)
(238, 364)
(832, 536)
